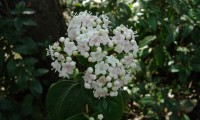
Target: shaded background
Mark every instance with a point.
(166, 84)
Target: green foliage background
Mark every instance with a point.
(168, 59)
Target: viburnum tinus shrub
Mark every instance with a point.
(95, 62)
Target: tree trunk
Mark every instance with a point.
(49, 18)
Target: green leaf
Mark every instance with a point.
(153, 22)
(27, 47)
(64, 99)
(77, 117)
(29, 22)
(159, 55)
(184, 74)
(41, 71)
(20, 5)
(124, 10)
(147, 40)
(36, 86)
(111, 107)
(18, 23)
(30, 61)
(11, 67)
(185, 117)
(126, 97)
(147, 100)
(1, 58)
(174, 68)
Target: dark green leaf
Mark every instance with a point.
(1, 58)
(147, 40)
(29, 22)
(11, 67)
(147, 100)
(18, 23)
(185, 117)
(159, 55)
(30, 61)
(36, 86)
(27, 47)
(153, 22)
(64, 99)
(77, 117)
(111, 107)
(41, 71)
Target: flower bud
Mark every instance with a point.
(91, 118)
(114, 88)
(128, 37)
(94, 24)
(119, 64)
(75, 53)
(56, 54)
(94, 77)
(99, 49)
(112, 94)
(90, 59)
(62, 39)
(83, 29)
(90, 69)
(122, 61)
(87, 85)
(109, 85)
(86, 55)
(100, 117)
(68, 59)
(67, 39)
(108, 78)
(114, 31)
(132, 42)
(105, 89)
(116, 83)
(72, 63)
(110, 44)
(105, 52)
(58, 48)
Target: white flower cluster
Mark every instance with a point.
(112, 57)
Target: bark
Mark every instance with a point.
(49, 19)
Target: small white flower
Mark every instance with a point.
(100, 117)
(56, 65)
(101, 68)
(83, 48)
(95, 41)
(51, 52)
(88, 77)
(112, 60)
(114, 72)
(119, 48)
(97, 56)
(69, 48)
(55, 45)
(68, 67)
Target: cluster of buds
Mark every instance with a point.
(111, 54)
